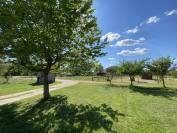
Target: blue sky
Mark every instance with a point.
(137, 29)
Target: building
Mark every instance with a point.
(40, 78)
(146, 76)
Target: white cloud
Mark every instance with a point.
(130, 42)
(175, 61)
(134, 30)
(110, 37)
(136, 51)
(150, 20)
(154, 19)
(110, 64)
(111, 45)
(111, 59)
(142, 39)
(170, 13)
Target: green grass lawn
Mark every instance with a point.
(87, 78)
(84, 78)
(15, 85)
(97, 108)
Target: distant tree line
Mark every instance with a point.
(10, 69)
(81, 68)
(159, 67)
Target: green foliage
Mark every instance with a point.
(5, 70)
(81, 67)
(40, 34)
(160, 67)
(132, 68)
(9, 69)
(173, 73)
(113, 70)
(98, 68)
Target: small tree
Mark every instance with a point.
(173, 73)
(41, 34)
(99, 68)
(111, 72)
(5, 70)
(119, 73)
(160, 67)
(173, 70)
(132, 68)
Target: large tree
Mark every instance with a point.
(40, 34)
(132, 68)
(160, 67)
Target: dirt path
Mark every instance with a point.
(22, 95)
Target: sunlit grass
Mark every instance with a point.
(139, 110)
(15, 85)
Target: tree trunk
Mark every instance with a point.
(121, 78)
(131, 83)
(163, 81)
(131, 80)
(46, 86)
(110, 83)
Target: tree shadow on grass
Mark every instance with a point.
(155, 91)
(57, 115)
(5, 82)
(35, 84)
(38, 84)
(116, 86)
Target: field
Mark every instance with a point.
(98, 108)
(15, 85)
(170, 82)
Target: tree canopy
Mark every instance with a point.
(40, 34)
(160, 67)
(132, 68)
(113, 70)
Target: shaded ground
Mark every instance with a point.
(155, 91)
(57, 115)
